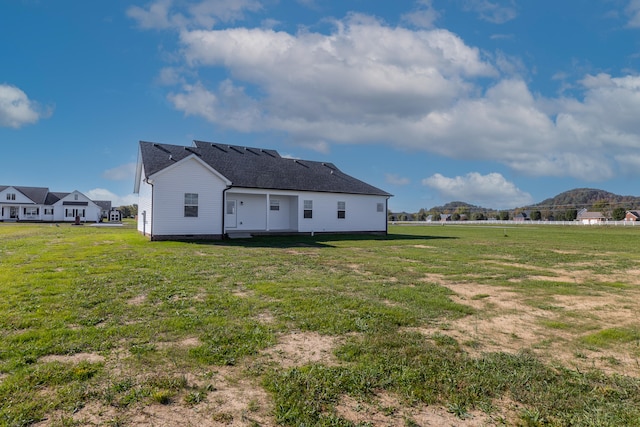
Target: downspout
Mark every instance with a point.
(150, 182)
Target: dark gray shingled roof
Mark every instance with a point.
(105, 205)
(257, 168)
(37, 194)
(55, 197)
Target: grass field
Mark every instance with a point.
(454, 325)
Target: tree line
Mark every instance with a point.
(465, 213)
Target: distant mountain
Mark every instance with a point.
(580, 198)
(454, 206)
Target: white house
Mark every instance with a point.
(209, 190)
(590, 218)
(38, 204)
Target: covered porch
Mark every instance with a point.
(12, 213)
(260, 212)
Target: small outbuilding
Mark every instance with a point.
(115, 215)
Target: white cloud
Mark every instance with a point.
(424, 16)
(491, 190)
(424, 90)
(497, 11)
(229, 106)
(163, 14)
(104, 194)
(170, 76)
(346, 84)
(156, 15)
(394, 179)
(633, 11)
(120, 173)
(206, 13)
(16, 109)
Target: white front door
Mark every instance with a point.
(231, 214)
(13, 212)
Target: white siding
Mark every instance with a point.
(360, 214)
(169, 188)
(251, 210)
(144, 207)
(282, 218)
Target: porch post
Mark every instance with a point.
(268, 209)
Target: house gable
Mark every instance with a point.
(23, 195)
(632, 216)
(180, 163)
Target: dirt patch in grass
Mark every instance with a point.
(138, 300)
(577, 273)
(231, 399)
(438, 279)
(266, 317)
(386, 410)
(359, 269)
(184, 343)
(303, 253)
(242, 293)
(506, 320)
(73, 358)
(303, 348)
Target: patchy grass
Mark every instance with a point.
(538, 327)
(612, 336)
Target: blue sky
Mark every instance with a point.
(499, 103)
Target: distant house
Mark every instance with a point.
(401, 216)
(209, 190)
(521, 216)
(445, 217)
(632, 216)
(105, 208)
(38, 204)
(590, 218)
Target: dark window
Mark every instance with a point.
(191, 205)
(341, 209)
(308, 209)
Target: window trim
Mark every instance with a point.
(191, 205)
(307, 211)
(342, 209)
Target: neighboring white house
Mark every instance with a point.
(210, 190)
(38, 204)
(590, 218)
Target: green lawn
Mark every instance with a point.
(123, 305)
